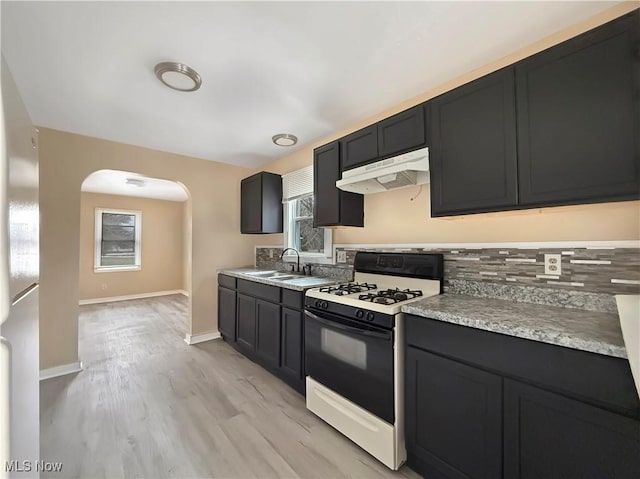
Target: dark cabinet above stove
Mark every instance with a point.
(261, 204)
(397, 134)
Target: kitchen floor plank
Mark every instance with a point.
(148, 405)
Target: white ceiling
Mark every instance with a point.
(292, 67)
(113, 182)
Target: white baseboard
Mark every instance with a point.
(112, 299)
(200, 338)
(60, 370)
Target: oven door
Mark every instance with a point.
(353, 359)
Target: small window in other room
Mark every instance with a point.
(117, 237)
(314, 244)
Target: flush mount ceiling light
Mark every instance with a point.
(284, 139)
(178, 76)
(136, 182)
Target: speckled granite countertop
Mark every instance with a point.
(299, 283)
(591, 331)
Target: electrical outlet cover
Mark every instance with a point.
(341, 257)
(553, 264)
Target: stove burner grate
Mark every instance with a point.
(348, 288)
(390, 296)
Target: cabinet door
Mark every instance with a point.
(332, 206)
(579, 118)
(268, 333)
(326, 171)
(359, 148)
(401, 132)
(291, 361)
(251, 205)
(472, 147)
(453, 418)
(227, 313)
(548, 435)
(246, 333)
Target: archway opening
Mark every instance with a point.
(135, 253)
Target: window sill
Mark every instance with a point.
(115, 269)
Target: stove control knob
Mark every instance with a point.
(325, 305)
(318, 303)
(359, 314)
(369, 316)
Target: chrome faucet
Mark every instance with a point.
(297, 253)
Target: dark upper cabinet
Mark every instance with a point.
(227, 313)
(578, 109)
(402, 132)
(453, 418)
(261, 204)
(551, 436)
(268, 332)
(332, 206)
(472, 146)
(246, 319)
(359, 147)
(292, 355)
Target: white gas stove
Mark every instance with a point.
(354, 358)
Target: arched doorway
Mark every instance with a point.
(135, 244)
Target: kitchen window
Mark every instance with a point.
(117, 240)
(314, 244)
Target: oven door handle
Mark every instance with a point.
(387, 335)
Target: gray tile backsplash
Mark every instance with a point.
(589, 276)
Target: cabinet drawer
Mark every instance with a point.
(293, 299)
(598, 379)
(259, 290)
(227, 281)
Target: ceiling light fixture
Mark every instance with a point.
(139, 182)
(284, 139)
(178, 76)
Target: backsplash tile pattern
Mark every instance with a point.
(612, 271)
(585, 270)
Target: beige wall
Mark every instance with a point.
(392, 217)
(161, 246)
(66, 160)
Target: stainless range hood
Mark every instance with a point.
(409, 169)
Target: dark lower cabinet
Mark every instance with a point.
(332, 206)
(246, 319)
(227, 313)
(472, 147)
(265, 323)
(487, 405)
(292, 357)
(453, 418)
(578, 109)
(549, 436)
(268, 332)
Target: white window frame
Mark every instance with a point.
(97, 254)
(298, 184)
(325, 257)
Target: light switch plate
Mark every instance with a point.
(341, 257)
(553, 264)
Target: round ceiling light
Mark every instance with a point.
(178, 76)
(284, 139)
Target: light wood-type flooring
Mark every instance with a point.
(148, 405)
